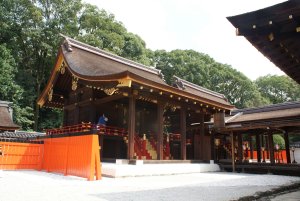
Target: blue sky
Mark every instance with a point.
(200, 25)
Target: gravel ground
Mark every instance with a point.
(39, 186)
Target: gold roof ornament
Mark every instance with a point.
(74, 82)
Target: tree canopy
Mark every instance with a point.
(30, 36)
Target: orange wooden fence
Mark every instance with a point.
(72, 155)
(278, 155)
(17, 155)
(76, 155)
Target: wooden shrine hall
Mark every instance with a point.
(146, 117)
(274, 31)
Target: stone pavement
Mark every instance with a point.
(217, 186)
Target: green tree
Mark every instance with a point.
(278, 139)
(31, 30)
(10, 90)
(201, 69)
(278, 89)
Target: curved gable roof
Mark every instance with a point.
(90, 62)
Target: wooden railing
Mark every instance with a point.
(85, 127)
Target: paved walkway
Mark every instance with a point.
(40, 186)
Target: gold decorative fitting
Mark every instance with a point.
(201, 104)
(271, 36)
(141, 87)
(270, 22)
(151, 90)
(179, 98)
(171, 96)
(254, 26)
(290, 17)
(297, 29)
(62, 68)
(135, 92)
(160, 93)
(110, 91)
(186, 100)
(125, 94)
(74, 82)
(50, 94)
(195, 103)
(124, 83)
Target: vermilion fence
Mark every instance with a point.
(76, 155)
(17, 155)
(280, 156)
(69, 155)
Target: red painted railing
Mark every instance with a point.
(102, 130)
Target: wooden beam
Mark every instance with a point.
(131, 127)
(258, 147)
(232, 152)
(108, 99)
(202, 132)
(271, 147)
(240, 147)
(287, 146)
(160, 137)
(183, 132)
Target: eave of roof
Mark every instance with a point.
(274, 31)
(120, 68)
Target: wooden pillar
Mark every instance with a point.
(232, 152)
(212, 146)
(201, 138)
(240, 146)
(267, 148)
(258, 148)
(183, 132)
(131, 127)
(160, 130)
(271, 146)
(287, 146)
(76, 110)
(251, 147)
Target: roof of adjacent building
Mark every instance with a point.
(6, 122)
(275, 111)
(92, 64)
(275, 32)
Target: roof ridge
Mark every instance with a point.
(205, 90)
(98, 51)
(271, 107)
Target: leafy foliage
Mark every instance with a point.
(10, 90)
(205, 71)
(29, 39)
(278, 89)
